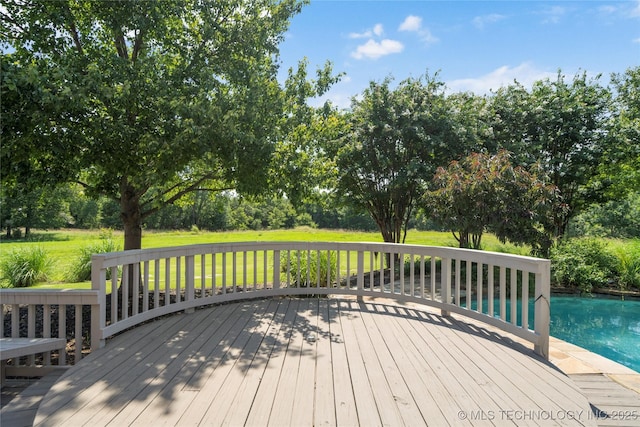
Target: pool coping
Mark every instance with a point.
(574, 360)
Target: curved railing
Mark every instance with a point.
(497, 289)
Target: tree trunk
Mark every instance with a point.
(132, 222)
(131, 217)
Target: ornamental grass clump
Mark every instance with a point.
(80, 270)
(305, 269)
(24, 267)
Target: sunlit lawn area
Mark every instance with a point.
(63, 246)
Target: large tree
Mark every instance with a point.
(485, 192)
(560, 125)
(397, 138)
(148, 101)
(620, 170)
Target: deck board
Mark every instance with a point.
(309, 361)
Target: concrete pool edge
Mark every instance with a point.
(572, 359)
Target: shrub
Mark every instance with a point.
(323, 263)
(80, 270)
(583, 264)
(629, 265)
(24, 267)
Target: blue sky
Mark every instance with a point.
(474, 45)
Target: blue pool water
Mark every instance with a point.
(609, 327)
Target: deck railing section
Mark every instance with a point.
(55, 313)
(497, 289)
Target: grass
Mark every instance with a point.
(65, 246)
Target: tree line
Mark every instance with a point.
(170, 114)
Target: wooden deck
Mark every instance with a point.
(303, 362)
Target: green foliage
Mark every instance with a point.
(615, 218)
(620, 168)
(583, 264)
(24, 267)
(559, 125)
(311, 267)
(487, 193)
(397, 138)
(145, 102)
(628, 264)
(80, 269)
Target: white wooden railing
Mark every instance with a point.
(39, 313)
(459, 281)
(493, 288)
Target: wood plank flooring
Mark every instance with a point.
(309, 361)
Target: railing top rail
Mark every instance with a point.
(521, 262)
(49, 296)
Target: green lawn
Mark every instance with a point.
(65, 245)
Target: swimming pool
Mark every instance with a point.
(606, 326)
(609, 327)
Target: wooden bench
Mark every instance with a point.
(11, 348)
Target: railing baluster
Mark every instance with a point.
(62, 332)
(224, 273)
(190, 280)
(78, 332)
(503, 294)
(432, 277)
(15, 321)
(445, 284)
(135, 291)
(490, 286)
(234, 270)
(213, 273)
(203, 275)
(276, 269)
(457, 282)
(145, 287)
(468, 289)
(480, 284)
(525, 299)
(46, 329)
(514, 296)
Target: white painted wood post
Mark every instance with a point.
(543, 308)
(99, 310)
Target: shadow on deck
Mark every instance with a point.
(310, 361)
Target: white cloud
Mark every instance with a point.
(607, 9)
(374, 50)
(411, 23)
(553, 14)
(481, 21)
(524, 73)
(636, 40)
(427, 37)
(635, 12)
(377, 30)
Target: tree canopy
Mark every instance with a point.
(395, 139)
(560, 125)
(146, 101)
(485, 192)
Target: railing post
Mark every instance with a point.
(542, 308)
(189, 281)
(99, 310)
(445, 284)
